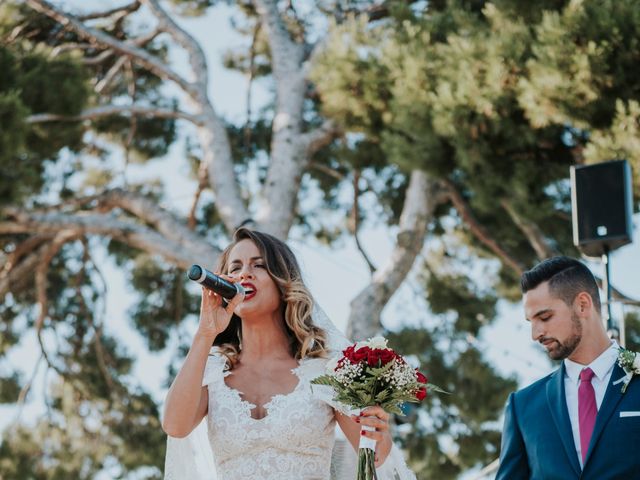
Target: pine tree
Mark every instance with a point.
(454, 122)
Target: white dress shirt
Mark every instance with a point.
(602, 368)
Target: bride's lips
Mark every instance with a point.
(249, 289)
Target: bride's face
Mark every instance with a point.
(247, 266)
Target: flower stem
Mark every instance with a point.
(366, 465)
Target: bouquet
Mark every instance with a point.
(369, 373)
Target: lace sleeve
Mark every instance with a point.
(395, 467)
(214, 368)
(190, 457)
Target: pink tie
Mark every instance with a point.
(587, 410)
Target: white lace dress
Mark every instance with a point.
(292, 442)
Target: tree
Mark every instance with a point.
(441, 115)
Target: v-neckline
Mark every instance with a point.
(267, 405)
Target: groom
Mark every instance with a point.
(574, 423)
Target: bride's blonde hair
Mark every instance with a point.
(305, 338)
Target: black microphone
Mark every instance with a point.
(209, 280)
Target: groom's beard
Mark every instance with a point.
(561, 350)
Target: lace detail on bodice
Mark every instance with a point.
(293, 441)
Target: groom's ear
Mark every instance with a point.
(583, 303)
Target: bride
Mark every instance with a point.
(264, 419)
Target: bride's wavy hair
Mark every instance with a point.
(305, 338)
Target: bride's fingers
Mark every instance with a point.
(376, 435)
(371, 421)
(234, 302)
(375, 411)
(210, 298)
(374, 417)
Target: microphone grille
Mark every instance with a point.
(195, 272)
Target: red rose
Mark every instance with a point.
(387, 355)
(421, 378)
(380, 357)
(348, 353)
(361, 354)
(421, 394)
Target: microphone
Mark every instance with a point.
(209, 280)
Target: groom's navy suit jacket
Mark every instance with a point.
(537, 440)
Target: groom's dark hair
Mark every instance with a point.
(567, 277)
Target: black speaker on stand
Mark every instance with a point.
(602, 207)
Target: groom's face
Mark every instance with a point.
(554, 324)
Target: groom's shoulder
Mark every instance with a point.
(537, 386)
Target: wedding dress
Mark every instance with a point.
(294, 441)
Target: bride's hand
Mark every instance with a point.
(214, 316)
(377, 418)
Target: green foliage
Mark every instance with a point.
(193, 7)
(83, 439)
(632, 330)
(455, 294)
(152, 140)
(497, 98)
(10, 388)
(31, 82)
(163, 300)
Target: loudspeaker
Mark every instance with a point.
(602, 206)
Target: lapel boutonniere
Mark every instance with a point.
(630, 362)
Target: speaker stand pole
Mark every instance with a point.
(612, 330)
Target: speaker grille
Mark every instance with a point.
(602, 206)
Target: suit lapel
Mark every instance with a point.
(560, 414)
(612, 397)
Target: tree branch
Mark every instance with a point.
(320, 137)
(464, 210)
(109, 110)
(52, 250)
(127, 9)
(355, 215)
(106, 54)
(197, 58)
(22, 249)
(119, 63)
(22, 397)
(161, 220)
(123, 230)
(97, 329)
(138, 54)
(327, 170)
(289, 155)
(421, 198)
(250, 78)
(531, 231)
(17, 277)
(210, 128)
(202, 184)
(212, 132)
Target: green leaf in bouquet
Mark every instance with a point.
(382, 396)
(324, 380)
(378, 371)
(434, 388)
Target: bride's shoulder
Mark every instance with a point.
(312, 367)
(215, 368)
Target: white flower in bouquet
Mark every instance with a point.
(370, 373)
(636, 363)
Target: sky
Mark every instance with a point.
(334, 276)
